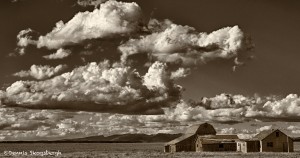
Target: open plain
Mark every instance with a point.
(120, 150)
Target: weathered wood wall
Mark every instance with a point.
(281, 143)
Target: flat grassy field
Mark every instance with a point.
(128, 150)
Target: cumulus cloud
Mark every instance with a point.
(174, 43)
(86, 3)
(24, 124)
(286, 109)
(112, 18)
(59, 54)
(25, 37)
(294, 129)
(230, 130)
(180, 73)
(225, 108)
(264, 128)
(97, 87)
(41, 72)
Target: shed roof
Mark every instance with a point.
(226, 136)
(263, 134)
(179, 139)
(220, 136)
(217, 141)
(211, 139)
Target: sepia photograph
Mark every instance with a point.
(150, 78)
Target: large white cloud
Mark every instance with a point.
(183, 44)
(230, 109)
(97, 87)
(41, 72)
(287, 108)
(112, 18)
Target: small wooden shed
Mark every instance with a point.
(267, 141)
(216, 143)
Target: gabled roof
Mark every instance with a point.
(193, 129)
(179, 139)
(263, 134)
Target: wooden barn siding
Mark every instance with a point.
(216, 147)
(279, 143)
(186, 145)
(253, 146)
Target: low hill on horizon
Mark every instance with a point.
(120, 138)
(160, 137)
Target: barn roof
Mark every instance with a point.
(179, 139)
(194, 128)
(263, 134)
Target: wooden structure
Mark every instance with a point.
(202, 138)
(246, 146)
(216, 143)
(187, 141)
(267, 141)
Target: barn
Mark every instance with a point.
(267, 141)
(202, 137)
(187, 142)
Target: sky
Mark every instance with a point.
(79, 68)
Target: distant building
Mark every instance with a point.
(202, 137)
(267, 141)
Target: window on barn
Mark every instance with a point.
(277, 134)
(269, 144)
(221, 145)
